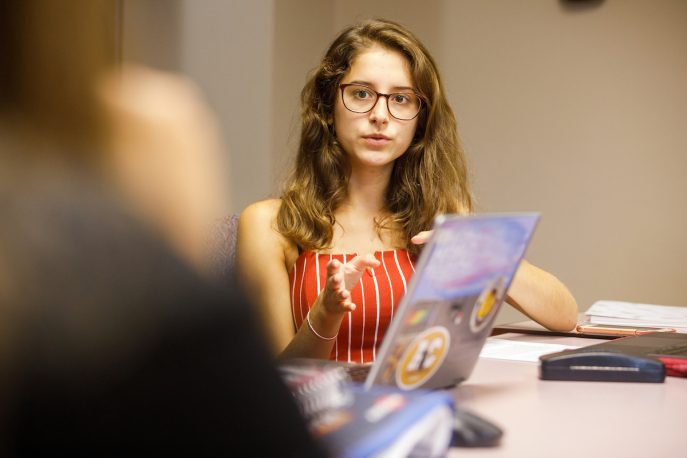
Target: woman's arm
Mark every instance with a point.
(542, 297)
(263, 257)
(261, 268)
(536, 293)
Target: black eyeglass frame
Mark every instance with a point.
(378, 95)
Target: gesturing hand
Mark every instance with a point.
(421, 237)
(341, 278)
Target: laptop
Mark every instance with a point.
(460, 281)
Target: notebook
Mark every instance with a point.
(460, 281)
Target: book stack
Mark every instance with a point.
(351, 421)
(640, 315)
(319, 388)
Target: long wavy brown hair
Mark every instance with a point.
(428, 179)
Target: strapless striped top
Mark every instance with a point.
(376, 296)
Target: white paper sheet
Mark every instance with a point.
(518, 351)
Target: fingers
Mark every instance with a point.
(335, 295)
(365, 261)
(341, 278)
(356, 265)
(355, 269)
(421, 237)
(333, 267)
(335, 282)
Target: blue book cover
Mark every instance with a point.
(386, 420)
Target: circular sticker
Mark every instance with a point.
(423, 357)
(484, 306)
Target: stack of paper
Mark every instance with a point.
(634, 314)
(383, 421)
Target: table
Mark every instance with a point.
(544, 418)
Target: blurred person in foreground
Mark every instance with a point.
(111, 341)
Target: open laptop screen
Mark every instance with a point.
(460, 281)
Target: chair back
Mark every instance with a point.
(223, 246)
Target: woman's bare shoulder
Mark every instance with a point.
(258, 222)
(262, 211)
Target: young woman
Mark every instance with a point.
(379, 158)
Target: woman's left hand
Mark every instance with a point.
(421, 237)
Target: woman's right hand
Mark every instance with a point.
(341, 279)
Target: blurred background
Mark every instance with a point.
(576, 109)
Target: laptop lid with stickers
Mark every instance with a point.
(448, 311)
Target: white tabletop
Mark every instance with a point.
(573, 419)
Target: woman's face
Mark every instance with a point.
(375, 139)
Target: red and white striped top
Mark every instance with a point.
(376, 296)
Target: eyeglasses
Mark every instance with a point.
(361, 99)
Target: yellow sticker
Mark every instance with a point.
(423, 357)
(485, 304)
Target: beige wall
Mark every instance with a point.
(579, 113)
(302, 29)
(228, 49)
